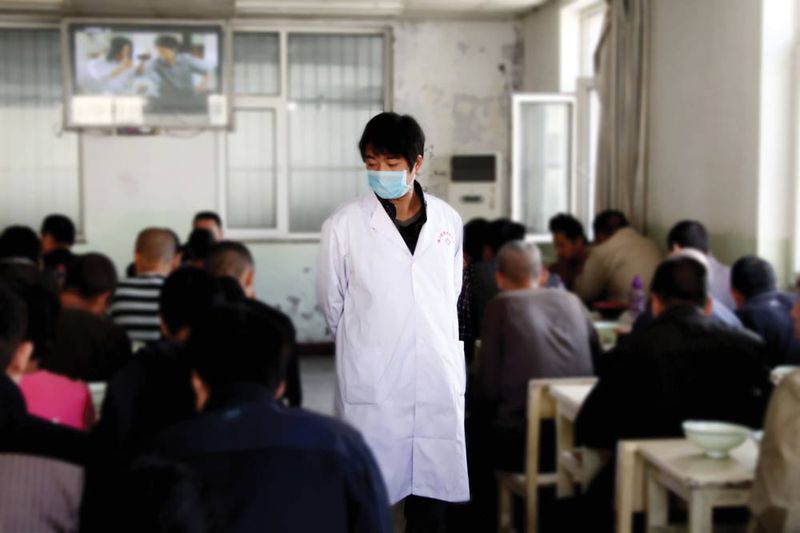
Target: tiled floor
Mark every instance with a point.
(317, 378)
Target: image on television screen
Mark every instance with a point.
(152, 74)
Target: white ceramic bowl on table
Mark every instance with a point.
(716, 439)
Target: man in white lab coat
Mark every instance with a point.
(389, 279)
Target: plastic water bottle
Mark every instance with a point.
(636, 299)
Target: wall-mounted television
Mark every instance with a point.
(164, 74)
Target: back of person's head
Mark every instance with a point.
(476, 236)
(60, 229)
(43, 308)
(607, 223)
(209, 220)
(241, 342)
(13, 324)
(20, 242)
(390, 134)
(198, 246)
(519, 265)
(697, 255)
(155, 250)
(568, 226)
(187, 294)
(91, 275)
(502, 231)
(680, 280)
(688, 234)
(751, 276)
(163, 496)
(232, 259)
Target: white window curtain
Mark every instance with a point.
(39, 170)
(622, 67)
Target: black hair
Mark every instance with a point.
(751, 276)
(20, 242)
(43, 307)
(502, 231)
(240, 342)
(608, 222)
(229, 258)
(208, 215)
(198, 245)
(91, 275)
(681, 280)
(186, 295)
(60, 227)
(476, 236)
(688, 234)
(567, 225)
(13, 324)
(116, 46)
(167, 41)
(392, 134)
(162, 495)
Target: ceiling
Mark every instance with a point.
(288, 8)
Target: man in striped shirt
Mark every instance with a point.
(135, 302)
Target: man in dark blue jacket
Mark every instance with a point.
(270, 468)
(765, 310)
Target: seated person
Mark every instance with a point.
(569, 240)
(195, 252)
(20, 257)
(682, 366)
(620, 254)
(233, 260)
(88, 345)
(58, 236)
(692, 234)
(475, 240)
(211, 221)
(528, 333)
(764, 309)
(135, 303)
(285, 470)
(719, 311)
(49, 395)
(41, 464)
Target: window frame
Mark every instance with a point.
(49, 23)
(280, 104)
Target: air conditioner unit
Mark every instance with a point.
(476, 189)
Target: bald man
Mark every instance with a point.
(135, 302)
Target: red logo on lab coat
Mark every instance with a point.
(446, 238)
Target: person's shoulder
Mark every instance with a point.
(348, 209)
(439, 205)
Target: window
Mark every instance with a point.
(591, 29)
(301, 101)
(39, 170)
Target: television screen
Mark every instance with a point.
(160, 75)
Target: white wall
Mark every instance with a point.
(541, 37)
(454, 76)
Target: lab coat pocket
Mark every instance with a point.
(364, 374)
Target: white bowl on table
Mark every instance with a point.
(716, 439)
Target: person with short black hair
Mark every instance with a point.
(41, 464)
(295, 461)
(570, 242)
(681, 366)
(88, 345)
(764, 309)
(388, 280)
(57, 238)
(195, 252)
(620, 255)
(135, 303)
(20, 245)
(211, 221)
(171, 73)
(692, 234)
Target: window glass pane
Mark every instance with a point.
(544, 162)
(38, 161)
(336, 84)
(251, 194)
(256, 63)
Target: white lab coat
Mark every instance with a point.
(400, 369)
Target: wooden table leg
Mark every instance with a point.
(701, 518)
(657, 502)
(565, 440)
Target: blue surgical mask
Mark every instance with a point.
(388, 184)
